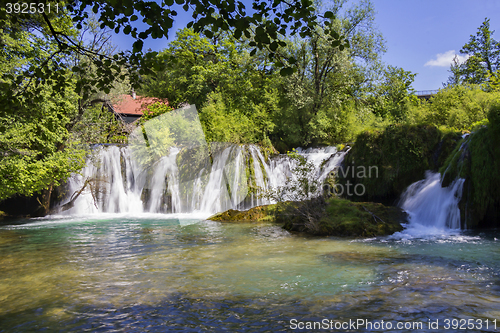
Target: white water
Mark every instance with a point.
(176, 185)
(432, 209)
(117, 183)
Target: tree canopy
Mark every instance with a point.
(52, 77)
(483, 60)
(265, 25)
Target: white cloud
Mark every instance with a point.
(446, 59)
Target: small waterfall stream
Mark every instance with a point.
(431, 206)
(116, 182)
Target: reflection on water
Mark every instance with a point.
(156, 274)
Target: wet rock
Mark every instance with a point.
(259, 213)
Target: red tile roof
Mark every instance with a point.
(129, 106)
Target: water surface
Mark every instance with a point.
(154, 273)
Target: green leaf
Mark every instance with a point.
(329, 14)
(286, 71)
(273, 46)
(137, 46)
(128, 10)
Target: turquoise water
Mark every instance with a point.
(160, 273)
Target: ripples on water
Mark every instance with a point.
(148, 274)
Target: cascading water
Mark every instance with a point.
(115, 182)
(431, 206)
(167, 168)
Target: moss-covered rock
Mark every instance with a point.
(333, 217)
(384, 163)
(477, 160)
(256, 214)
(340, 217)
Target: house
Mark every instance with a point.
(131, 107)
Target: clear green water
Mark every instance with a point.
(151, 274)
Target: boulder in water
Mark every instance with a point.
(332, 217)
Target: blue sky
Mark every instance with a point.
(417, 31)
(421, 35)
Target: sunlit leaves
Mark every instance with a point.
(267, 26)
(483, 53)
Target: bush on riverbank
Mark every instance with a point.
(456, 107)
(477, 159)
(396, 157)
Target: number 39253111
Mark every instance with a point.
(31, 8)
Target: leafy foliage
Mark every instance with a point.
(35, 154)
(235, 97)
(457, 107)
(394, 95)
(483, 53)
(317, 105)
(399, 156)
(267, 25)
(43, 119)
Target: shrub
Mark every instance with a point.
(400, 153)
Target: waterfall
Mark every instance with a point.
(115, 180)
(431, 206)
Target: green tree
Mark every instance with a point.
(194, 68)
(266, 22)
(394, 94)
(456, 73)
(34, 152)
(43, 121)
(483, 53)
(317, 107)
(233, 92)
(460, 107)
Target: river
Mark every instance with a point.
(167, 272)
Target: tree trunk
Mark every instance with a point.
(45, 201)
